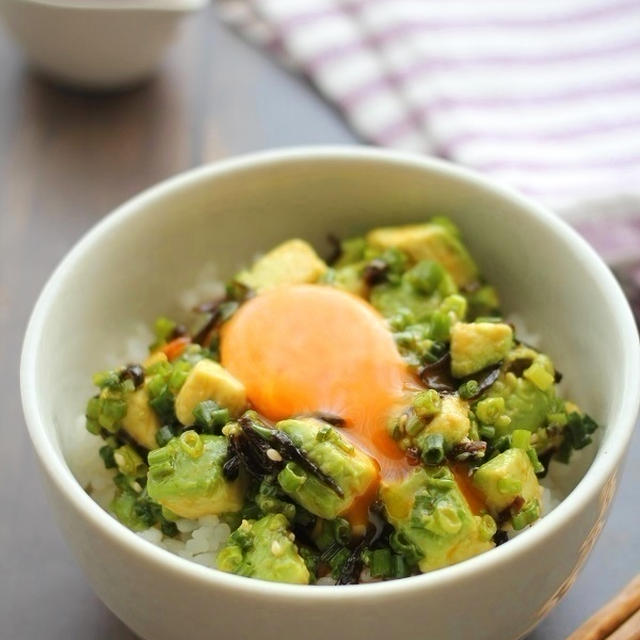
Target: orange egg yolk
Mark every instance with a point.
(305, 348)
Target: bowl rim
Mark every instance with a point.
(601, 469)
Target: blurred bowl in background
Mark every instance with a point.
(95, 44)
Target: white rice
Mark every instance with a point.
(199, 540)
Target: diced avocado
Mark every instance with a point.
(417, 292)
(452, 421)
(141, 421)
(506, 477)
(523, 397)
(351, 469)
(185, 476)
(476, 345)
(429, 242)
(428, 509)
(393, 299)
(292, 262)
(526, 407)
(209, 381)
(264, 549)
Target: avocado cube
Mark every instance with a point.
(505, 478)
(429, 242)
(209, 381)
(352, 470)
(428, 509)
(452, 421)
(186, 477)
(292, 262)
(526, 406)
(391, 299)
(264, 549)
(141, 421)
(477, 345)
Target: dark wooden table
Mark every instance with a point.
(67, 159)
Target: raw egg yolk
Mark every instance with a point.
(305, 348)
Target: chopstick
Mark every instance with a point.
(630, 630)
(619, 619)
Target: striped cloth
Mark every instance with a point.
(541, 94)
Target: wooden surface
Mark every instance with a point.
(67, 159)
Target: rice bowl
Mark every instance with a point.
(130, 575)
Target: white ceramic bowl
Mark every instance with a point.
(133, 265)
(95, 44)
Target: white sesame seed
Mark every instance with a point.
(272, 454)
(276, 548)
(119, 458)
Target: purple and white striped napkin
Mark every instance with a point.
(541, 94)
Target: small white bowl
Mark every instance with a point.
(95, 44)
(135, 263)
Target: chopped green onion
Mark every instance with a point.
(163, 405)
(488, 527)
(324, 535)
(399, 567)
(191, 444)
(454, 304)
(440, 326)
(413, 425)
(380, 563)
(112, 410)
(521, 439)
(337, 561)
(405, 548)
(468, 389)
(427, 403)
(433, 449)
(503, 443)
(106, 453)
(557, 419)
(341, 531)
(425, 276)
(162, 329)
(291, 478)
(538, 467)
(129, 462)
(489, 410)
(210, 417)
(577, 435)
(168, 528)
(528, 514)
(181, 370)
(107, 380)
(486, 431)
